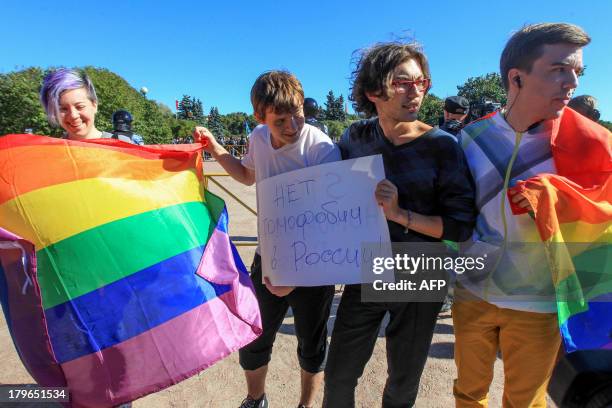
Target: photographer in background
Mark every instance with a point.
(456, 109)
(482, 108)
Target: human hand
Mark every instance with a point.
(387, 197)
(518, 199)
(205, 137)
(280, 291)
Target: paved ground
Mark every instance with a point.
(223, 385)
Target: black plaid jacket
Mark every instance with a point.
(431, 175)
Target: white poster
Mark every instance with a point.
(312, 223)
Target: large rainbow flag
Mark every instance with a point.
(573, 213)
(117, 276)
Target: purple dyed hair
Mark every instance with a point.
(58, 81)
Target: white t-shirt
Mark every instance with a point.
(313, 147)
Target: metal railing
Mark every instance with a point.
(209, 176)
(236, 150)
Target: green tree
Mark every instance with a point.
(19, 103)
(488, 86)
(156, 126)
(606, 124)
(191, 108)
(21, 109)
(336, 128)
(214, 124)
(431, 110)
(330, 106)
(185, 109)
(234, 123)
(340, 112)
(181, 128)
(115, 93)
(165, 110)
(252, 122)
(151, 121)
(334, 107)
(198, 111)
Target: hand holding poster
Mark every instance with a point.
(314, 222)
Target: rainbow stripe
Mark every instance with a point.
(119, 278)
(573, 213)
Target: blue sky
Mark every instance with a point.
(215, 50)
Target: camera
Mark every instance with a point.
(483, 108)
(452, 126)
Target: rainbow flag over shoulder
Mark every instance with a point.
(118, 277)
(573, 213)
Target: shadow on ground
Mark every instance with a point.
(442, 350)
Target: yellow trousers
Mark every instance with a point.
(529, 344)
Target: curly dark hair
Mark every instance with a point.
(374, 70)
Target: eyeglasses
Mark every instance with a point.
(402, 86)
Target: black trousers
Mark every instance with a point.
(408, 335)
(310, 305)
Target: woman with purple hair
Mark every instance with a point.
(70, 101)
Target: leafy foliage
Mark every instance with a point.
(151, 121)
(21, 108)
(198, 111)
(334, 107)
(606, 124)
(19, 103)
(336, 128)
(190, 108)
(234, 123)
(214, 124)
(488, 86)
(432, 109)
(185, 108)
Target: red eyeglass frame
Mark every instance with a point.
(425, 81)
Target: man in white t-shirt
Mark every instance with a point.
(281, 143)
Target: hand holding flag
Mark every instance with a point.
(205, 137)
(122, 248)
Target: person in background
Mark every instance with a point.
(456, 110)
(586, 105)
(122, 128)
(311, 111)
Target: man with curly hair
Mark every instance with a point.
(428, 196)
